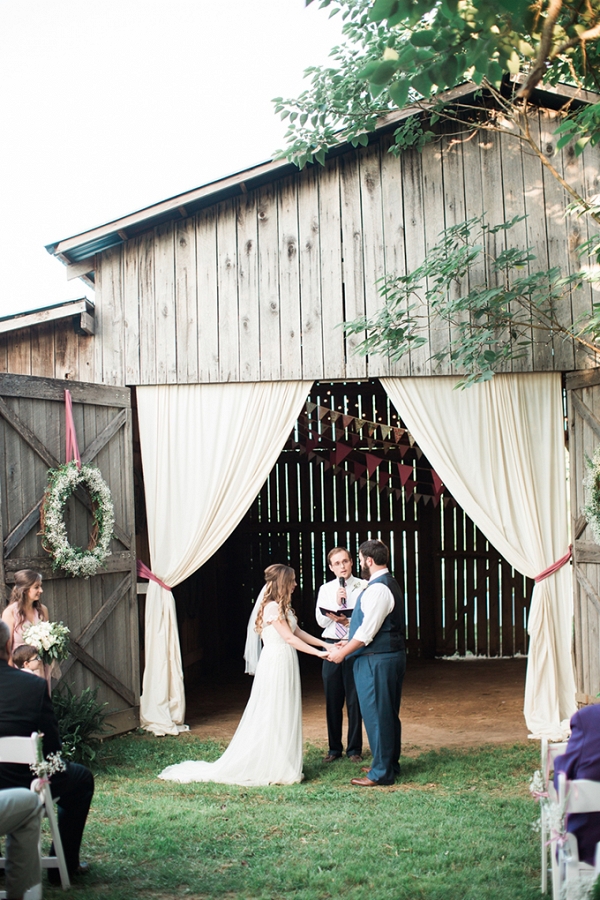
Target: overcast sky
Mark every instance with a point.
(107, 106)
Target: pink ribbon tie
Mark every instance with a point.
(555, 566)
(144, 572)
(71, 449)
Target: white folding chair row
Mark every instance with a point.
(25, 750)
(549, 754)
(578, 796)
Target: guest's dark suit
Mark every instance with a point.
(25, 707)
(582, 760)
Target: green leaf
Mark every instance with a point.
(384, 72)
(398, 91)
(383, 9)
(422, 38)
(422, 83)
(366, 72)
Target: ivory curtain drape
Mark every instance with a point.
(206, 452)
(499, 448)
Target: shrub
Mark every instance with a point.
(81, 722)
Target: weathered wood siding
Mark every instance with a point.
(255, 288)
(49, 350)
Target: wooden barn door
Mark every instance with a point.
(583, 393)
(100, 611)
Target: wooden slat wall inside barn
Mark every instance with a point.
(583, 392)
(101, 611)
(461, 595)
(254, 288)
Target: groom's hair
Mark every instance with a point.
(4, 639)
(377, 551)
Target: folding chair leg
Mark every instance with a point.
(544, 850)
(49, 862)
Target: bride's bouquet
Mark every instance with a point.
(50, 639)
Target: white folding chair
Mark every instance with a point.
(25, 750)
(578, 796)
(549, 754)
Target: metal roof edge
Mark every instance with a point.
(85, 244)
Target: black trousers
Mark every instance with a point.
(338, 682)
(73, 791)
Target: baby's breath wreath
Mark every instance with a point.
(62, 482)
(591, 483)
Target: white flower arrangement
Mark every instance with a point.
(50, 639)
(46, 768)
(62, 482)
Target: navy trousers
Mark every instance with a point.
(338, 683)
(378, 678)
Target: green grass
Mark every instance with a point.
(456, 827)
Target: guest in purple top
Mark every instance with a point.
(582, 760)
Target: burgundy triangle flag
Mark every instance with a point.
(409, 488)
(341, 452)
(326, 464)
(419, 452)
(322, 411)
(437, 482)
(397, 494)
(354, 438)
(362, 481)
(383, 478)
(372, 462)
(398, 432)
(435, 500)
(405, 472)
(403, 448)
(359, 468)
(347, 421)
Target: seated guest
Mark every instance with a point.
(20, 811)
(26, 657)
(25, 707)
(582, 760)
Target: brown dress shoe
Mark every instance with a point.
(356, 758)
(364, 782)
(331, 757)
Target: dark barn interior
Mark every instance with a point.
(349, 471)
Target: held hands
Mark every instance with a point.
(336, 653)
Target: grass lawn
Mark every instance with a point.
(457, 826)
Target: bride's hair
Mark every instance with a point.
(280, 584)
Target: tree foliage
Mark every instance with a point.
(411, 54)
(398, 52)
(490, 317)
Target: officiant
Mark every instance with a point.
(335, 600)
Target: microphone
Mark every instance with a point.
(342, 581)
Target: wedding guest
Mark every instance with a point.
(582, 760)
(25, 707)
(25, 605)
(20, 812)
(337, 597)
(26, 657)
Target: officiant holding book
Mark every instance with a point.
(335, 603)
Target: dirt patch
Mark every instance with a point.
(445, 703)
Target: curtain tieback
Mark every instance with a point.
(144, 572)
(555, 566)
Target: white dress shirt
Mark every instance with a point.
(327, 599)
(376, 603)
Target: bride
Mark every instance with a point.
(267, 745)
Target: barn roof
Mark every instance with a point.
(77, 252)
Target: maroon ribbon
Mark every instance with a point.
(144, 572)
(555, 566)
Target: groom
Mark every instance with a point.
(376, 640)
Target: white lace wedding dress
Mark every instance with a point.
(267, 745)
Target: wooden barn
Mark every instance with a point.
(231, 297)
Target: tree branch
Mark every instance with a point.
(539, 68)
